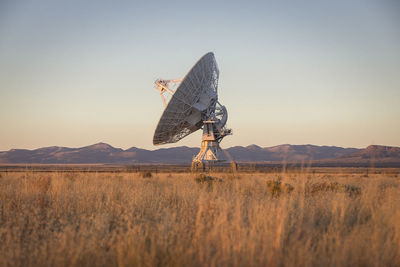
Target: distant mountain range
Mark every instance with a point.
(102, 153)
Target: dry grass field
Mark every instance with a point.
(173, 219)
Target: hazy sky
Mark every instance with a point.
(74, 73)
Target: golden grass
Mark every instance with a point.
(169, 219)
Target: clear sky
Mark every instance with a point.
(74, 73)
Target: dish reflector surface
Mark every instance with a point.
(184, 112)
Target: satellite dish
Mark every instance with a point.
(191, 106)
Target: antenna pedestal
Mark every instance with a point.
(209, 148)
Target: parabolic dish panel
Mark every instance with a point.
(197, 91)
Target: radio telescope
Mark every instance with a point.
(191, 104)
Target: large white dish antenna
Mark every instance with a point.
(193, 105)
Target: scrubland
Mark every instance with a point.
(173, 219)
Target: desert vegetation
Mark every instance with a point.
(293, 218)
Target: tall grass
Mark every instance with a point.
(70, 219)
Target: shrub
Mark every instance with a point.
(202, 178)
(146, 175)
(333, 187)
(276, 188)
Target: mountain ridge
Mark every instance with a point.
(102, 153)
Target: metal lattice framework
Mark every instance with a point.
(191, 103)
